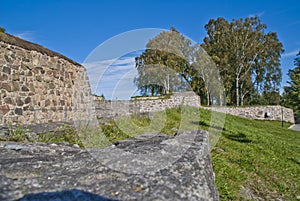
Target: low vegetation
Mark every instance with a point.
(252, 160)
(63, 133)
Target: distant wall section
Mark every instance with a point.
(110, 109)
(275, 112)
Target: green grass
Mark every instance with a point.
(252, 159)
(63, 133)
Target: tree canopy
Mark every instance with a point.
(162, 67)
(171, 63)
(292, 92)
(248, 58)
(238, 55)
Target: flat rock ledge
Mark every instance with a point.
(150, 167)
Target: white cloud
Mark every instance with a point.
(26, 35)
(290, 54)
(257, 14)
(112, 77)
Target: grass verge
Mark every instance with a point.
(252, 160)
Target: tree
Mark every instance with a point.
(248, 59)
(165, 64)
(2, 29)
(292, 92)
(172, 63)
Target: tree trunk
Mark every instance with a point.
(237, 91)
(168, 84)
(208, 98)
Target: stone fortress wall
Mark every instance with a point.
(36, 87)
(41, 86)
(275, 112)
(111, 109)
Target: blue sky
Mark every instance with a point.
(75, 28)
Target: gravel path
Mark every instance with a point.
(295, 127)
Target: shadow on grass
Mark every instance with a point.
(202, 123)
(240, 137)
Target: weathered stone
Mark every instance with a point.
(4, 77)
(6, 86)
(51, 86)
(7, 58)
(31, 87)
(27, 100)
(6, 70)
(40, 69)
(47, 102)
(62, 102)
(9, 101)
(38, 78)
(19, 111)
(29, 73)
(15, 86)
(19, 101)
(15, 67)
(48, 167)
(24, 88)
(4, 109)
(29, 107)
(54, 102)
(15, 77)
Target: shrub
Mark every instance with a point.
(2, 29)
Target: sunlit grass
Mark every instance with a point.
(252, 159)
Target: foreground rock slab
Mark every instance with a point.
(150, 167)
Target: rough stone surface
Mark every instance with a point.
(110, 109)
(44, 171)
(276, 112)
(28, 81)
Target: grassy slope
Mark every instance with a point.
(252, 159)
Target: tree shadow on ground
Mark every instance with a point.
(239, 137)
(66, 195)
(202, 123)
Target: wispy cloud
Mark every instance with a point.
(112, 77)
(294, 23)
(26, 35)
(257, 14)
(290, 54)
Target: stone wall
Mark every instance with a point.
(37, 88)
(31, 171)
(110, 109)
(275, 112)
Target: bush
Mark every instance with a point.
(2, 29)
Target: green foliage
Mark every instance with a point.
(248, 59)
(63, 133)
(161, 67)
(2, 30)
(259, 156)
(172, 63)
(18, 134)
(266, 98)
(292, 92)
(112, 132)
